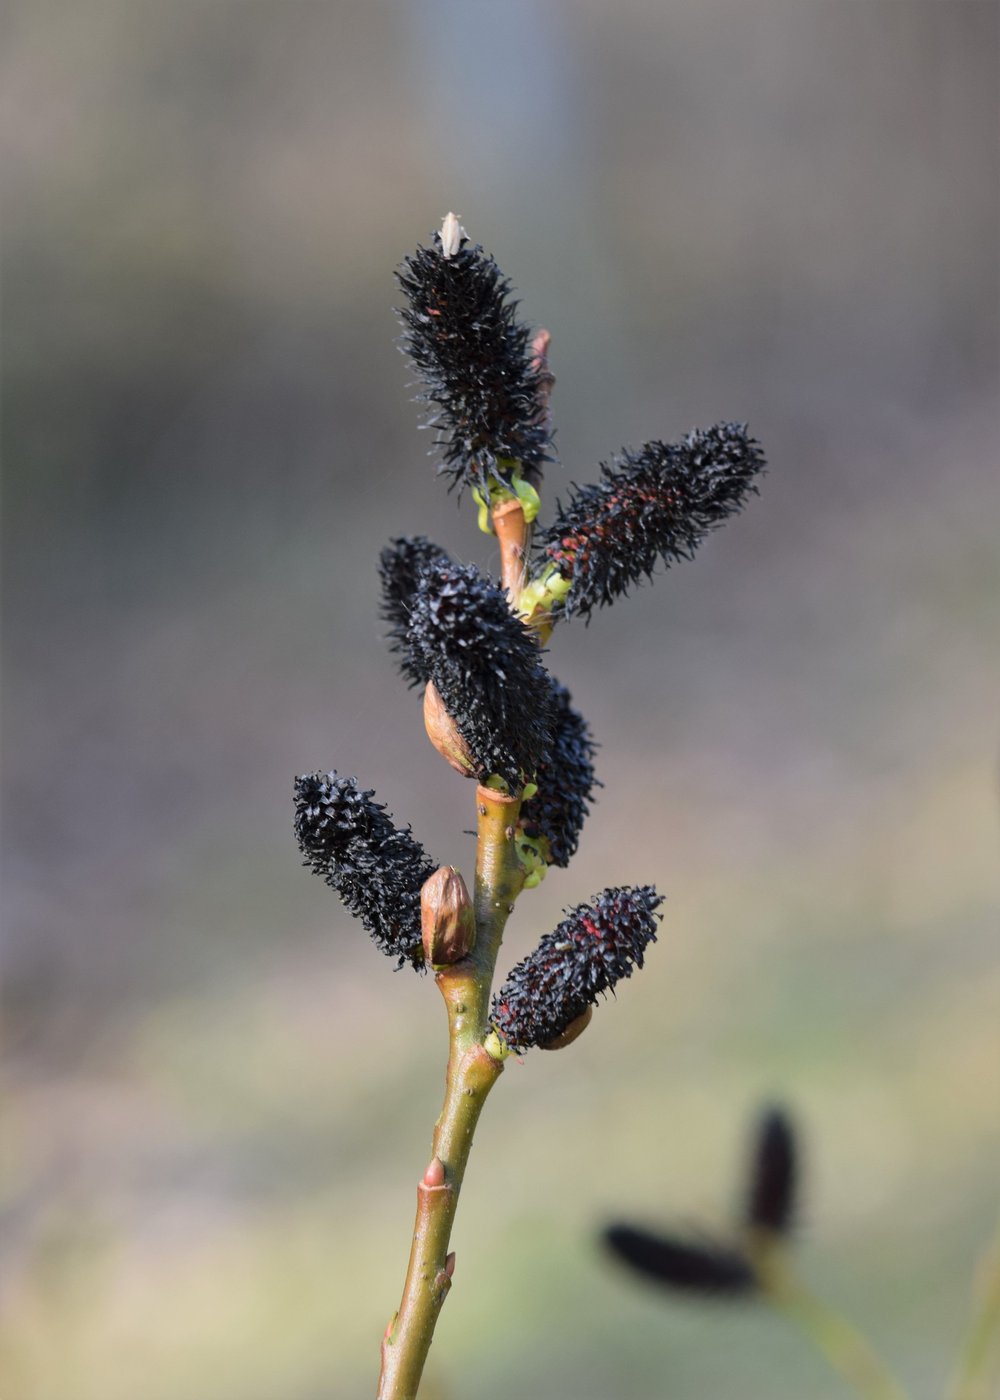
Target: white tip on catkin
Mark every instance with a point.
(452, 234)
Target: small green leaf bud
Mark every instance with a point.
(496, 1047)
(534, 858)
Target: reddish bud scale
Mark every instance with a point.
(433, 1177)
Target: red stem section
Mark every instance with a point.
(512, 534)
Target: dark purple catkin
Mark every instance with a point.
(703, 1267)
(594, 947)
(773, 1175)
(481, 384)
(651, 506)
(400, 565)
(487, 668)
(565, 781)
(376, 867)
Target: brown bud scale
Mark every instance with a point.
(444, 735)
(447, 919)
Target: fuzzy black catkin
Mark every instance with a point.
(773, 1175)
(376, 867)
(565, 781)
(483, 390)
(595, 946)
(651, 506)
(400, 566)
(487, 668)
(703, 1267)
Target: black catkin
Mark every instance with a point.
(400, 565)
(596, 946)
(487, 668)
(376, 867)
(704, 1267)
(651, 506)
(482, 385)
(773, 1175)
(566, 782)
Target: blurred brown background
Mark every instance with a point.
(217, 1096)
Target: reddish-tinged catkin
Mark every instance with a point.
(596, 946)
(652, 506)
(482, 384)
(376, 867)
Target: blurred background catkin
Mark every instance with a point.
(217, 1096)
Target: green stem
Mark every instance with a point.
(975, 1375)
(846, 1349)
(471, 1074)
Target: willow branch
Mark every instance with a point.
(471, 1074)
(846, 1348)
(975, 1377)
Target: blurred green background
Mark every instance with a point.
(217, 1097)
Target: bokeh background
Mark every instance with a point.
(217, 1096)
